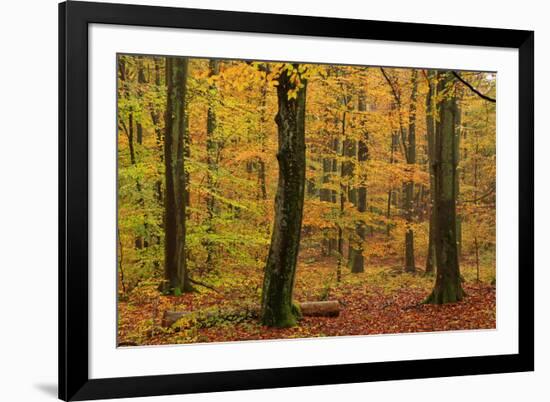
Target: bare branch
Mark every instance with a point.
(482, 96)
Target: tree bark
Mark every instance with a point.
(175, 268)
(277, 306)
(345, 171)
(211, 155)
(141, 241)
(430, 134)
(155, 118)
(458, 135)
(394, 139)
(262, 138)
(327, 194)
(448, 284)
(409, 186)
(357, 259)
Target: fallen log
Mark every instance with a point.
(329, 308)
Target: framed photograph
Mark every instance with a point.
(258, 200)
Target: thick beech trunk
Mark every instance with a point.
(448, 285)
(277, 306)
(175, 268)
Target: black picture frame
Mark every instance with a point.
(74, 381)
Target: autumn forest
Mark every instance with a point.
(271, 200)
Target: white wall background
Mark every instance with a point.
(28, 199)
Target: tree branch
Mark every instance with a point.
(203, 284)
(482, 96)
(481, 197)
(390, 83)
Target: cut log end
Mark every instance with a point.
(330, 308)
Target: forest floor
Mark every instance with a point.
(381, 300)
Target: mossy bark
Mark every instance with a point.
(277, 306)
(448, 284)
(175, 268)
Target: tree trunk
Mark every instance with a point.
(394, 139)
(458, 135)
(211, 152)
(175, 268)
(155, 118)
(345, 171)
(430, 134)
(141, 241)
(357, 260)
(262, 138)
(448, 285)
(277, 307)
(409, 186)
(141, 81)
(325, 194)
(476, 244)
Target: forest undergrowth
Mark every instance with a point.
(382, 300)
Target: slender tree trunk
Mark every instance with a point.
(357, 260)
(277, 305)
(430, 134)
(458, 136)
(394, 138)
(141, 241)
(333, 237)
(175, 268)
(138, 241)
(448, 284)
(155, 118)
(409, 186)
(212, 155)
(141, 81)
(476, 244)
(345, 173)
(262, 138)
(325, 195)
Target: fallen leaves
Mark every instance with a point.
(378, 301)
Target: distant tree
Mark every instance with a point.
(357, 259)
(431, 123)
(212, 162)
(408, 141)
